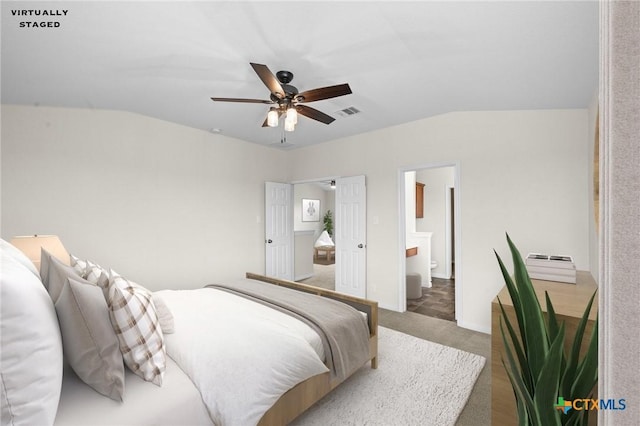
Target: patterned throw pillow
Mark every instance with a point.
(91, 272)
(97, 275)
(136, 324)
(78, 265)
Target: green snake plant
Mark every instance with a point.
(539, 370)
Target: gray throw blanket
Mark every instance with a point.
(343, 330)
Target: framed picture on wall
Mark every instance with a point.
(310, 210)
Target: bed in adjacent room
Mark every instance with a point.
(254, 351)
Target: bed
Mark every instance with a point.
(32, 367)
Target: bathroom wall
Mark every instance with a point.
(421, 262)
(437, 182)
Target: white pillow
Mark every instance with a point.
(90, 344)
(54, 274)
(12, 251)
(165, 317)
(136, 324)
(324, 240)
(31, 355)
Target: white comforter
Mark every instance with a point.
(241, 355)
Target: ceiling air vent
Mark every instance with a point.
(348, 112)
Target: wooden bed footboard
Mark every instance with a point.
(302, 396)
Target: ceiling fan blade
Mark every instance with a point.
(314, 114)
(247, 101)
(324, 93)
(269, 79)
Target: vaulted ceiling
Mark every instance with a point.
(404, 61)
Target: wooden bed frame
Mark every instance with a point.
(302, 396)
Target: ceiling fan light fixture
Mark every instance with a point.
(292, 114)
(272, 117)
(289, 125)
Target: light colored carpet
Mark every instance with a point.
(324, 276)
(417, 382)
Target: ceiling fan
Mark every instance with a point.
(288, 101)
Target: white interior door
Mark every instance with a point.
(350, 236)
(278, 227)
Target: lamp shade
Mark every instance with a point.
(292, 115)
(289, 125)
(32, 245)
(272, 118)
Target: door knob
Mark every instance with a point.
(360, 245)
(269, 241)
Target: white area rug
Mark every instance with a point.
(417, 383)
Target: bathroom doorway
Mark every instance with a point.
(430, 211)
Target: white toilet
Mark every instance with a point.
(434, 265)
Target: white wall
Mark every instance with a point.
(315, 192)
(410, 203)
(437, 182)
(171, 206)
(163, 204)
(303, 254)
(520, 171)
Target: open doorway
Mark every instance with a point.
(314, 265)
(350, 232)
(430, 283)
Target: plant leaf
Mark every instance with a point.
(552, 321)
(518, 384)
(524, 365)
(572, 364)
(515, 298)
(554, 328)
(535, 333)
(587, 375)
(521, 409)
(549, 381)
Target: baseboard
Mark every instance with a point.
(474, 327)
(426, 284)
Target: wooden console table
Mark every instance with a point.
(329, 250)
(569, 302)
